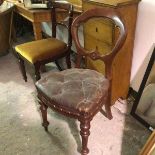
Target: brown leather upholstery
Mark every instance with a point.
(79, 89)
(41, 49)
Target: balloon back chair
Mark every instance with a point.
(81, 93)
(43, 51)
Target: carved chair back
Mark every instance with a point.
(108, 57)
(108, 13)
(65, 21)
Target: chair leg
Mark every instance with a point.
(37, 72)
(108, 108)
(108, 111)
(84, 126)
(57, 64)
(22, 68)
(43, 109)
(68, 61)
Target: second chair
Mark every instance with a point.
(43, 51)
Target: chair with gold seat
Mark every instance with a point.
(43, 51)
(80, 93)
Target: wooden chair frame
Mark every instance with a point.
(56, 6)
(86, 117)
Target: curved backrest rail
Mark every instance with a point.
(108, 13)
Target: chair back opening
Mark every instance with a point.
(111, 15)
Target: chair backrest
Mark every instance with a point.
(112, 15)
(62, 14)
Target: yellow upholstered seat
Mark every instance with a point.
(41, 49)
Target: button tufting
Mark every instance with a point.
(76, 88)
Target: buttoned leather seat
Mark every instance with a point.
(79, 89)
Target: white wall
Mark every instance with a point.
(144, 39)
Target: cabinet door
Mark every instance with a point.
(100, 30)
(92, 43)
(98, 35)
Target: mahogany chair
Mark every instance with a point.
(43, 51)
(81, 93)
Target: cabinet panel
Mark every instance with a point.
(91, 43)
(101, 27)
(103, 47)
(112, 3)
(77, 4)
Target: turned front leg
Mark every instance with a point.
(84, 126)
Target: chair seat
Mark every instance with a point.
(41, 49)
(79, 89)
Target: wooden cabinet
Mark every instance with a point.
(77, 4)
(103, 35)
